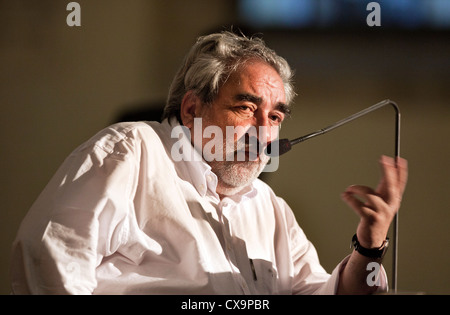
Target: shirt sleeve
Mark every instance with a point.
(77, 219)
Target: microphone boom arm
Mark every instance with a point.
(285, 145)
(353, 117)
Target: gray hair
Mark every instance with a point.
(211, 61)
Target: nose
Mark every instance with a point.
(267, 132)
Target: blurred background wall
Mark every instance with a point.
(59, 85)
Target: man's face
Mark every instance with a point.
(252, 104)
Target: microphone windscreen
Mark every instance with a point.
(278, 147)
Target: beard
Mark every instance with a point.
(236, 163)
(235, 172)
(236, 175)
(233, 176)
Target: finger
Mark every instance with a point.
(354, 203)
(402, 169)
(381, 187)
(367, 195)
(395, 176)
(389, 190)
(360, 190)
(362, 199)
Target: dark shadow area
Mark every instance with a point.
(151, 111)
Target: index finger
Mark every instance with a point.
(402, 170)
(394, 177)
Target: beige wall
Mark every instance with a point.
(59, 85)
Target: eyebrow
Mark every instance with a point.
(282, 107)
(249, 98)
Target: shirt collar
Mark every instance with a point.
(192, 167)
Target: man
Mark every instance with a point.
(176, 207)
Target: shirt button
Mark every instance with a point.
(209, 178)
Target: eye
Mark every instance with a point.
(277, 119)
(246, 110)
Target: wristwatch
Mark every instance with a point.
(373, 252)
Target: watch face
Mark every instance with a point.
(354, 241)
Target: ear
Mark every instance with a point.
(190, 108)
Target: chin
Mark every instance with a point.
(238, 175)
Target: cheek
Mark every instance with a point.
(227, 127)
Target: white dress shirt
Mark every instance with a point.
(120, 216)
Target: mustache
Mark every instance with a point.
(249, 145)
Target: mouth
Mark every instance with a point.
(249, 150)
(247, 155)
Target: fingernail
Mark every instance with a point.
(386, 160)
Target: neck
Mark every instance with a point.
(224, 190)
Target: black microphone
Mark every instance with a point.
(281, 146)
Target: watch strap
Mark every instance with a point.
(370, 252)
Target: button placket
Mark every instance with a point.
(226, 220)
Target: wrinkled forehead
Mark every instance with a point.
(258, 78)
